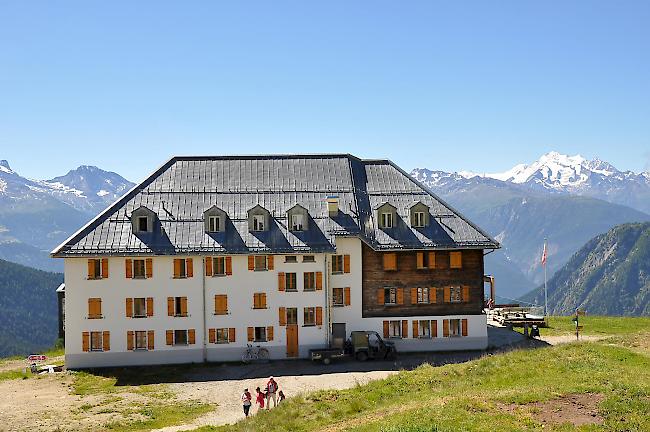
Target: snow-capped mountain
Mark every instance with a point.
(559, 173)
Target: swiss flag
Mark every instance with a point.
(544, 255)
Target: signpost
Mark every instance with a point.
(576, 319)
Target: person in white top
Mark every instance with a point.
(246, 401)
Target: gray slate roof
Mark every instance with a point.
(184, 187)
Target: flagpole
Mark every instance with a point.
(545, 292)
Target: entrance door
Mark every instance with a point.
(292, 340)
(338, 335)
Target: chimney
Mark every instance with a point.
(333, 205)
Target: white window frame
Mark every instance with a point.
(297, 222)
(395, 329)
(214, 223)
(390, 296)
(308, 258)
(261, 268)
(142, 333)
(386, 219)
(258, 222)
(423, 295)
(176, 332)
(290, 259)
(455, 294)
(309, 312)
(260, 331)
(334, 297)
(100, 345)
(225, 335)
(455, 327)
(144, 307)
(144, 269)
(419, 219)
(424, 329)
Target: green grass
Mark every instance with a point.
(595, 325)
(471, 396)
(14, 374)
(160, 416)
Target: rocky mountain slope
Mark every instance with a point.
(610, 275)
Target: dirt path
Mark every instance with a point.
(555, 340)
(227, 393)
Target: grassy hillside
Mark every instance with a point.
(516, 391)
(29, 309)
(610, 275)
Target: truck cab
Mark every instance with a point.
(369, 344)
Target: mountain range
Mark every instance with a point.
(610, 275)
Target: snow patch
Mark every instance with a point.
(60, 187)
(3, 185)
(102, 193)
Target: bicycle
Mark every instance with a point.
(254, 353)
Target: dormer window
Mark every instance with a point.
(258, 222)
(143, 223)
(214, 223)
(419, 215)
(386, 220)
(418, 219)
(258, 219)
(297, 222)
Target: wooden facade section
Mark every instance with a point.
(451, 291)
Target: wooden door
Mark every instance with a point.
(292, 340)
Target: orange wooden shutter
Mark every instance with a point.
(104, 268)
(256, 301)
(464, 326)
(177, 268)
(170, 306)
(184, 306)
(151, 339)
(465, 293)
(263, 300)
(319, 280)
(447, 294)
(415, 329)
(189, 267)
(405, 328)
(129, 340)
(269, 261)
(445, 328)
(251, 262)
(169, 337)
(283, 316)
(346, 263)
(319, 316)
(346, 295)
(106, 341)
(386, 330)
(231, 334)
(380, 296)
(212, 335)
(191, 336)
(434, 328)
(229, 266)
(91, 269)
(251, 334)
(456, 259)
(221, 304)
(432, 260)
(281, 281)
(129, 307)
(128, 264)
(400, 296)
(85, 341)
(420, 260)
(269, 333)
(390, 261)
(432, 295)
(149, 306)
(149, 267)
(91, 308)
(208, 266)
(414, 295)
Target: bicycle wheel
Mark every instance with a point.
(247, 357)
(263, 354)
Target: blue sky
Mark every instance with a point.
(448, 85)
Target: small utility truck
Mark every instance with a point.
(362, 345)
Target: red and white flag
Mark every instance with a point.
(544, 255)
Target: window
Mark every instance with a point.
(337, 297)
(455, 294)
(292, 315)
(221, 304)
(297, 222)
(456, 260)
(95, 269)
(96, 341)
(424, 328)
(423, 295)
(395, 329)
(308, 259)
(214, 223)
(180, 306)
(143, 223)
(387, 220)
(260, 334)
(139, 269)
(309, 281)
(454, 327)
(309, 318)
(337, 264)
(418, 219)
(222, 335)
(291, 282)
(390, 261)
(183, 268)
(291, 259)
(259, 301)
(139, 307)
(260, 262)
(390, 296)
(141, 340)
(180, 337)
(219, 266)
(94, 308)
(258, 222)
(426, 260)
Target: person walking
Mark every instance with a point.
(246, 401)
(260, 398)
(271, 390)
